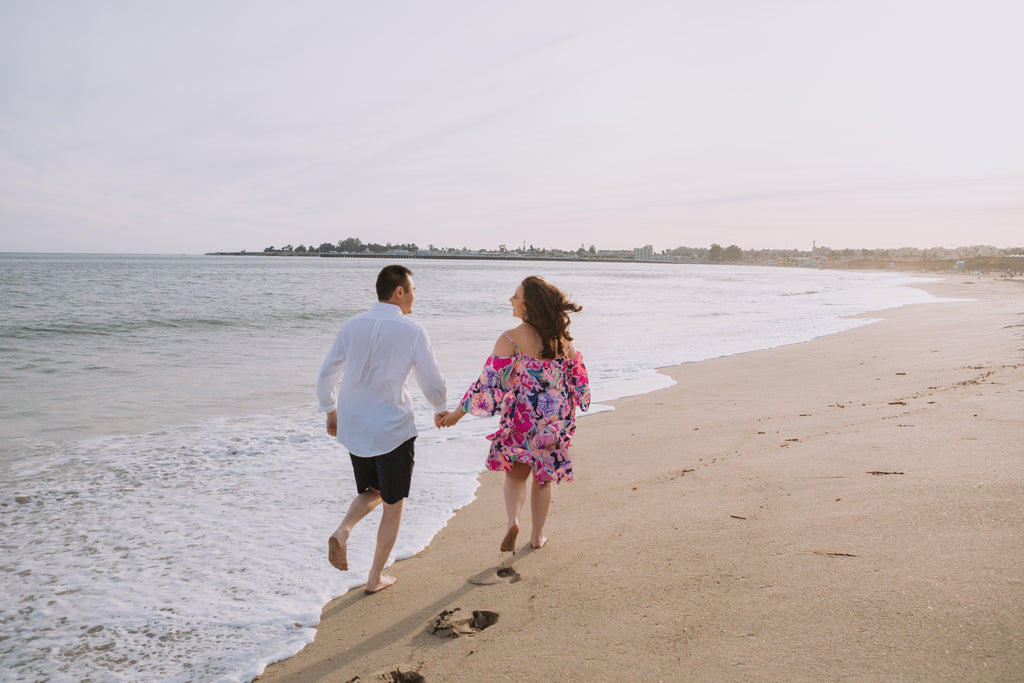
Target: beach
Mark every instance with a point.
(162, 419)
(848, 508)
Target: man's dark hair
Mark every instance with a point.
(389, 279)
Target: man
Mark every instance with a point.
(372, 414)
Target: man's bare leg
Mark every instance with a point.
(337, 544)
(387, 533)
(540, 503)
(515, 497)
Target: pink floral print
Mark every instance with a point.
(537, 399)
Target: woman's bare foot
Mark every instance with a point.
(539, 543)
(508, 544)
(384, 582)
(337, 553)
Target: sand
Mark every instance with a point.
(851, 508)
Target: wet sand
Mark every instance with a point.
(851, 508)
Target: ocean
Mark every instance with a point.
(168, 484)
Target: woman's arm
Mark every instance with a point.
(450, 417)
(485, 395)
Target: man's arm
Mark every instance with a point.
(428, 374)
(327, 384)
(330, 374)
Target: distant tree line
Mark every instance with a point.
(351, 245)
(716, 253)
(734, 254)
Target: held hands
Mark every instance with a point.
(448, 418)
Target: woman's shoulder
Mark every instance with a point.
(507, 344)
(522, 340)
(524, 334)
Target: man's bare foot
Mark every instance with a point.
(383, 583)
(508, 544)
(540, 542)
(337, 553)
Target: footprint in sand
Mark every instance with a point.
(452, 623)
(508, 573)
(398, 676)
(490, 577)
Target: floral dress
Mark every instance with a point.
(537, 399)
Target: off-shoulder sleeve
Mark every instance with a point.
(579, 383)
(485, 395)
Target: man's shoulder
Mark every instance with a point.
(412, 325)
(385, 318)
(357, 318)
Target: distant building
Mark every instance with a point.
(644, 253)
(614, 254)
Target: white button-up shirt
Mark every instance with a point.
(373, 355)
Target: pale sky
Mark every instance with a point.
(187, 127)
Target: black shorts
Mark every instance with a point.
(390, 473)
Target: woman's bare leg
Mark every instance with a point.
(540, 503)
(515, 498)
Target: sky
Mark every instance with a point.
(222, 125)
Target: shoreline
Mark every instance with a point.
(690, 541)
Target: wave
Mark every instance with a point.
(113, 327)
(110, 329)
(228, 567)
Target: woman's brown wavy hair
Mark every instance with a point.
(547, 311)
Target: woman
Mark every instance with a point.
(536, 379)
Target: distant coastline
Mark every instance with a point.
(474, 256)
(970, 258)
(1011, 263)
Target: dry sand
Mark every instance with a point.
(731, 528)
